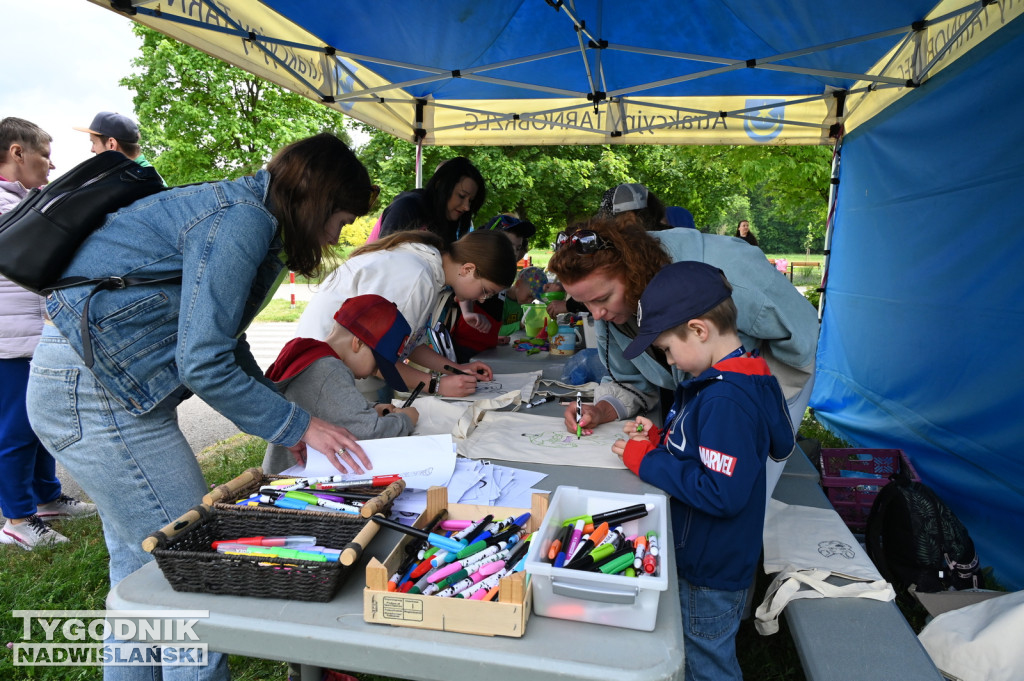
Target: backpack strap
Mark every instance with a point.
(103, 284)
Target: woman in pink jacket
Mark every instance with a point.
(29, 489)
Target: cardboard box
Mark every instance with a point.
(505, 617)
(615, 600)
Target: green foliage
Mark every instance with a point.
(202, 119)
(781, 190)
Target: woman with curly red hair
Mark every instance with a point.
(606, 264)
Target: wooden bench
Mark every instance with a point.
(797, 263)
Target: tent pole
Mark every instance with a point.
(833, 191)
(419, 163)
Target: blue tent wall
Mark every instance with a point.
(924, 316)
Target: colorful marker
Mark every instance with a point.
(579, 414)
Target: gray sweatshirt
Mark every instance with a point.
(327, 389)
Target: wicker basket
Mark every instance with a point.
(182, 549)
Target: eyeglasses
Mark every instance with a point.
(585, 241)
(374, 195)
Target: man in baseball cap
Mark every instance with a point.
(113, 131)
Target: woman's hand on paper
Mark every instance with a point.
(338, 445)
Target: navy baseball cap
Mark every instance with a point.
(681, 291)
(110, 124)
(377, 322)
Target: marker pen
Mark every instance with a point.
(271, 552)
(289, 540)
(639, 551)
(574, 539)
(375, 481)
(434, 539)
(617, 563)
(579, 414)
(588, 560)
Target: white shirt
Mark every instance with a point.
(410, 275)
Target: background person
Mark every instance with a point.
(416, 270)
(445, 206)
(232, 242)
(743, 232)
(29, 489)
(606, 264)
(111, 131)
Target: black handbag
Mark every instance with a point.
(39, 237)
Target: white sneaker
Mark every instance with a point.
(65, 507)
(30, 534)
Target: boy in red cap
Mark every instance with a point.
(370, 335)
(727, 418)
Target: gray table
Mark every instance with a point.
(504, 359)
(850, 639)
(334, 634)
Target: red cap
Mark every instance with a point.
(377, 322)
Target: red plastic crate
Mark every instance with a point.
(852, 478)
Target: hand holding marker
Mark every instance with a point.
(579, 414)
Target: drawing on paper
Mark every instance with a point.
(488, 389)
(563, 440)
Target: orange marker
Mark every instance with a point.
(641, 549)
(598, 534)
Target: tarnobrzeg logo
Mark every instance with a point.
(126, 638)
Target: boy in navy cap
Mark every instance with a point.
(725, 421)
(369, 336)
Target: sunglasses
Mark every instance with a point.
(585, 241)
(374, 195)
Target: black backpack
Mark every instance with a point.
(914, 538)
(39, 236)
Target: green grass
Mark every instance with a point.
(281, 311)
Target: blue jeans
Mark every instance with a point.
(711, 619)
(27, 471)
(139, 470)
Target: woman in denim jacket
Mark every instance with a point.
(113, 424)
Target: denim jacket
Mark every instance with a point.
(150, 340)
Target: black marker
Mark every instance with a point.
(413, 395)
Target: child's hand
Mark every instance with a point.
(619, 448)
(642, 427)
(383, 409)
(411, 412)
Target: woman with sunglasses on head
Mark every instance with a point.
(218, 252)
(416, 270)
(607, 263)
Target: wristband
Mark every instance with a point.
(435, 383)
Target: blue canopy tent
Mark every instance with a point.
(921, 293)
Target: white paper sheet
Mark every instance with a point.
(513, 436)
(422, 461)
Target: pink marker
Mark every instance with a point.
(455, 525)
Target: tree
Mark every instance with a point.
(556, 185)
(202, 119)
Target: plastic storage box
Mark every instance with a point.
(618, 601)
(852, 478)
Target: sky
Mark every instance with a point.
(64, 59)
